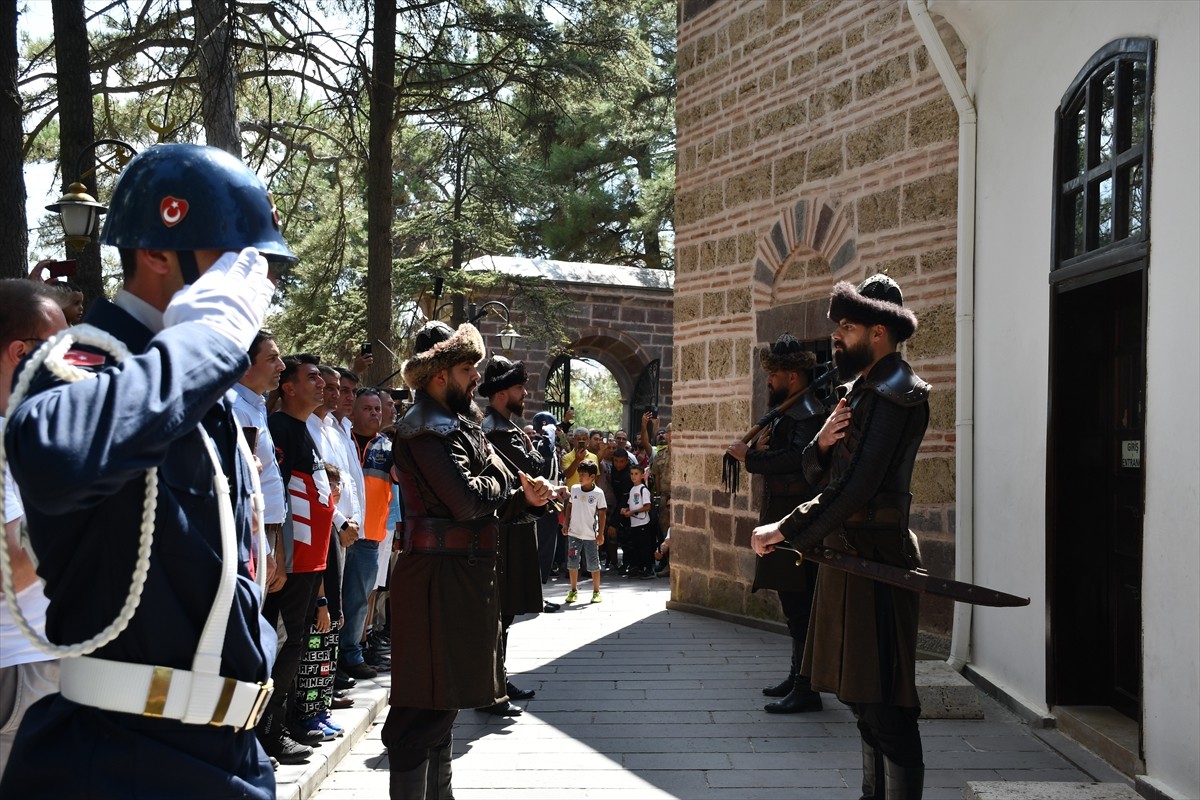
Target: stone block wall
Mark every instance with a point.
(815, 143)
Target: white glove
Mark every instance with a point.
(231, 297)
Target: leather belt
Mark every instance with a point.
(443, 537)
(164, 692)
(877, 516)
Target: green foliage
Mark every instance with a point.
(520, 127)
(595, 396)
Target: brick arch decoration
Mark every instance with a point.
(813, 239)
(796, 261)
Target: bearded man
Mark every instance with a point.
(445, 608)
(862, 639)
(777, 455)
(517, 566)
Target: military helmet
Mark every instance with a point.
(542, 419)
(190, 197)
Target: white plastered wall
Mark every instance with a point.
(1022, 57)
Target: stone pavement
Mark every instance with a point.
(637, 702)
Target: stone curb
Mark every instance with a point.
(301, 781)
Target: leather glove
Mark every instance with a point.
(231, 297)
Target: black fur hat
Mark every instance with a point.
(876, 301)
(436, 347)
(786, 355)
(501, 374)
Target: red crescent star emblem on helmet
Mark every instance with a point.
(172, 210)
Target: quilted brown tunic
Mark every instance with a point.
(445, 608)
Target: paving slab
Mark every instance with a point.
(639, 702)
(1041, 790)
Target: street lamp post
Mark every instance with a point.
(80, 211)
(508, 334)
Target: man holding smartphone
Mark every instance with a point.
(576, 456)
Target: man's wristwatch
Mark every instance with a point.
(345, 525)
(322, 602)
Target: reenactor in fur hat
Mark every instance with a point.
(862, 638)
(517, 564)
(777, 456)
(445, 608)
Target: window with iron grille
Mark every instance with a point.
(1102, 185)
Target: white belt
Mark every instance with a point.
(150, 691)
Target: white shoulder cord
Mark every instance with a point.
(50, 354)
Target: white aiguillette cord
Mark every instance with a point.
(208, 653)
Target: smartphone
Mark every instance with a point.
(653, 412)
(251, 436)
(365, 349)
(62, 269)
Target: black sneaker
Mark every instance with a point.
(305, 736)
(359, 671)
(380, 642)
(287, 750)
(377, 661)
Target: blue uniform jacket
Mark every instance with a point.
(79, 452)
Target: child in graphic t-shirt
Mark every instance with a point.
(583, 525)
(643, 534)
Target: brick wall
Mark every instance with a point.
(815, 143)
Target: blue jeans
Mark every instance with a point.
(358, 579)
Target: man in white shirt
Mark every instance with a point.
(250, 408)
(335, 448)
(29, 315)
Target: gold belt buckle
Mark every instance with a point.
(156, 696)
(260, 704)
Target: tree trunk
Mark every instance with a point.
(380, 202)
(14, 231)
(76, 127)
(650, 243)
(215, 69)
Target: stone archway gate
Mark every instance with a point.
(623, 318)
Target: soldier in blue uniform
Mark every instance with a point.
(168, 707)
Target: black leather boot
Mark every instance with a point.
(902, 783)
(783, 689)
(872, 785)
(801, 698)
(437, 779)
(409, 784)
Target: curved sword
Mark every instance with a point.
(916, 580)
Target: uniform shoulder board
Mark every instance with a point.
(84, 359)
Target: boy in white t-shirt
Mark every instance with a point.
(643, 535)
(583, 524)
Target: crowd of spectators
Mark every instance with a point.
(332, 521)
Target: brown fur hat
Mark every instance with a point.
(786, 355)
(876, 301)
(436, 347)
(501, 374)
